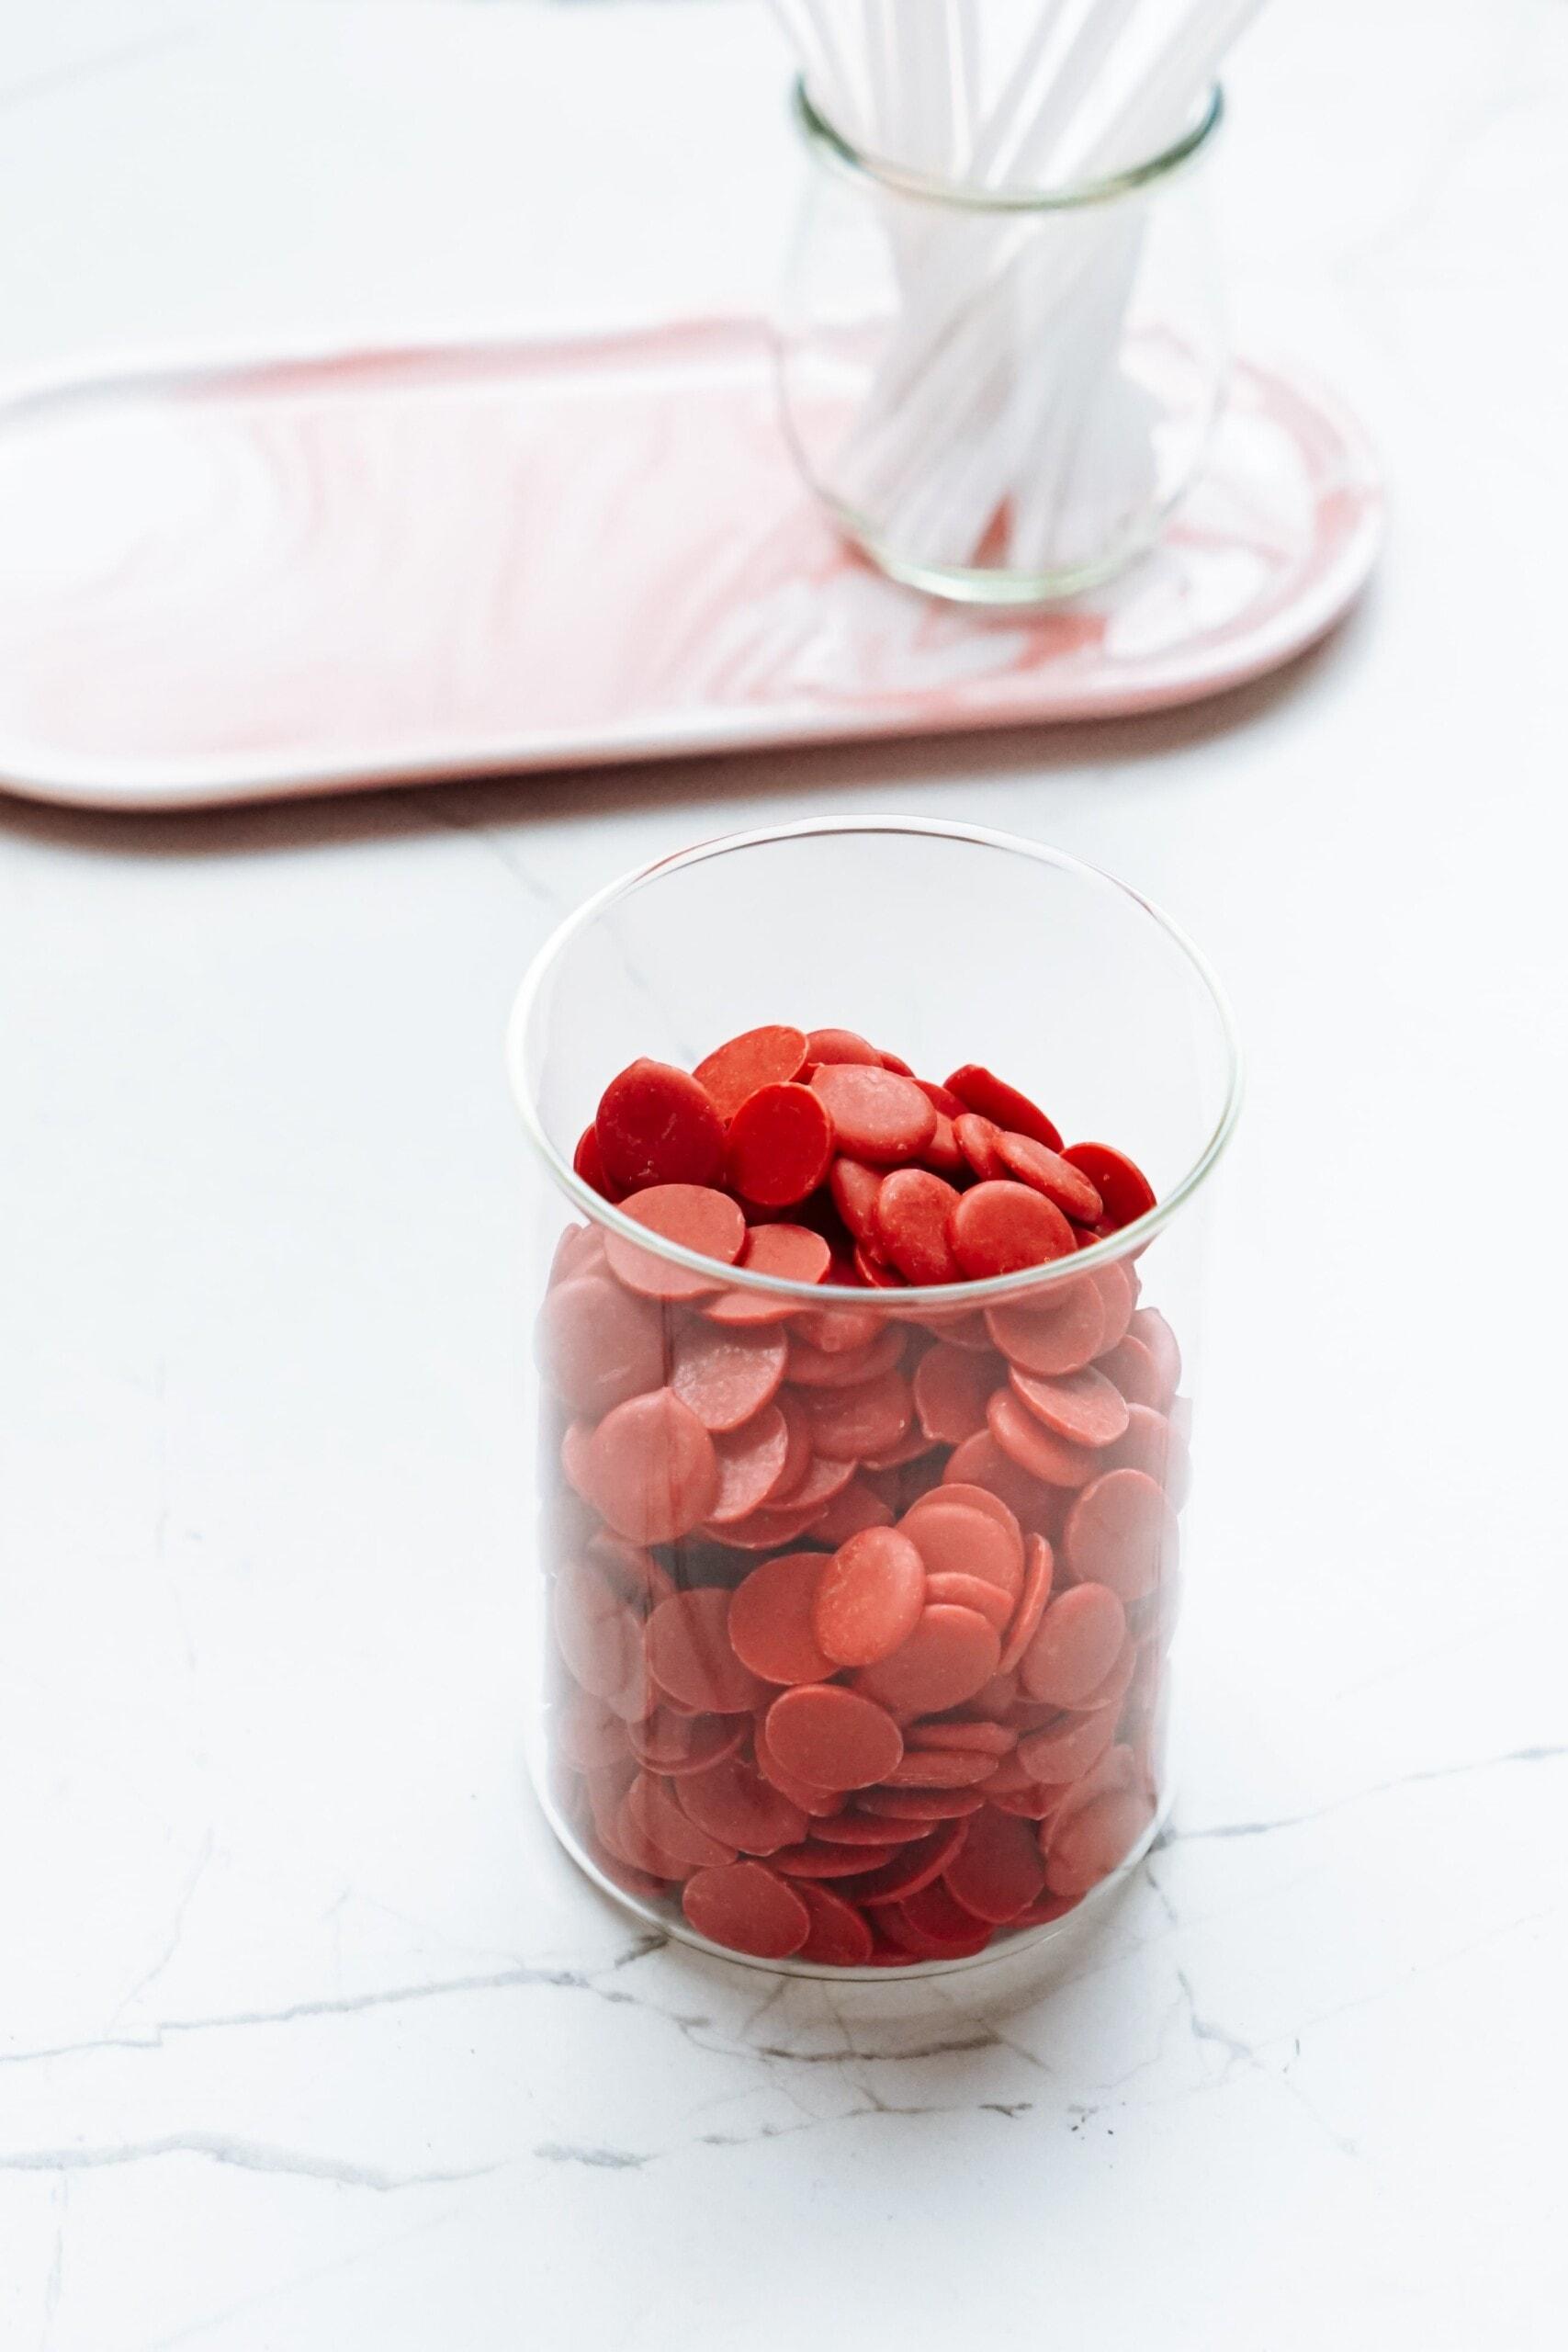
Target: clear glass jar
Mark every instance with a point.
(654, 1744)
(1001, 395)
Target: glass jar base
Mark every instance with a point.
(1035, 1950)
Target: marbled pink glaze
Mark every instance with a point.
(385, 567)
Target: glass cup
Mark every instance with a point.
(1001, 394)
(708, 1437)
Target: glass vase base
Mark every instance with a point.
(991, 587)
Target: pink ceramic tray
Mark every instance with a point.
(392, 566)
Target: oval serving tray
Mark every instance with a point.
(387, 567)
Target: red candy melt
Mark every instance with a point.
(693, 1215)
(1035, 1164)
(947, 1657)
(877, 1116)
(1077, 1643)
(1001, 1229)
(650, 1468)
(1124, 1188)
(771, 1618)
(833, 1738)
(748, 1907)
(910, 1219)
(869, 1597)
(733, 1072)
(691, 1657)
(859, 1607)
(724, 1377)
(656, 1125)
(979, 1090)
(780, 1145)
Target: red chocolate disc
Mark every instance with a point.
(780, 1145)
(911, 1217)
(1120, 1532)
(1123, 1187)
(1001, 1229)
(1150, 1327)
(877, 1116)
(869, 1598)
(588, 1162)
(588, 1734)
(1039, 1570)
(1083, 1407)
(656, 1125)
(955, 1539)
(1132, 1369)
(1061, 1334)
(832, 1737)
(650, 1469)
(997, 1871)
(1078, 1643)
(600, 1344)
(650, 1803)
(789, 1253)
(854, 1188)
(690, 1655)
(767, 1056)
(724, 1377)
(746, 1907)
(770, 1619)
(841, 1046)
(733, 1803)
(980, 1090)
(936, 1926)
(696, 1217)
(818, 1803)
(1035, 1449)
(751, 1461)
(944, 1661)
(952, 1385)
(980, 1461)
(1089, 1845)
(1036, 1164)
(943, 1152)
(979, 1143)
(1117, 1300)
(839, 1936)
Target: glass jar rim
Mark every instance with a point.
(995, 1290)
(927, 187)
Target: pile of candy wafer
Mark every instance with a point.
(859, 1608)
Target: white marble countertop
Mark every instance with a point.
(308, 2038)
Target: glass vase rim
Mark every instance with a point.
(822, 134)
(1031, 1283)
